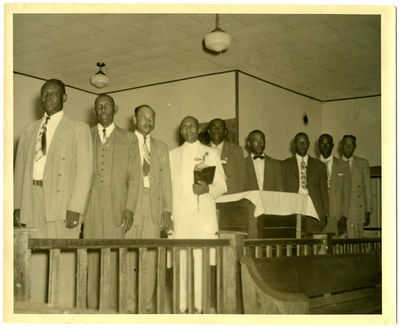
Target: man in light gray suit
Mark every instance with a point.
(361, 196)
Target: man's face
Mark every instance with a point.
(325, 146)
(189, 130)
(145, 120)
(348, 147)
(217, 131)
(257, 143)
(301, 144)
(105, 110)
(52, 98)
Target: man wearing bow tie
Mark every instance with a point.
(263, 173)
(339, 187)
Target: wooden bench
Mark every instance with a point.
(320, 284)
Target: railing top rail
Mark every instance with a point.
(267, 242)
(354, 240)
(123, 243)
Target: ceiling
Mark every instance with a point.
(326, 57)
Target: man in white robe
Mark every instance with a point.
(194, 204)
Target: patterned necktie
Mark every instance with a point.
(328, 174)
(303, 174)
(146, 158)
(104, 136)
(41, 146)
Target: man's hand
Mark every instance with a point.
(167, 223)
(72, 219)
(16, 218)
(367, 219)
(200, 188)
(127, 220)
(342, 225)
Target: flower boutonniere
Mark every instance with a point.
(202, 159)
(224, 160)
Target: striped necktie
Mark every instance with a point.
(146, 158)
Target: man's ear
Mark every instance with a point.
(115, 109)
(94, 112)
(199, 130)
(134, 120)
(65, 98)
(248, 144)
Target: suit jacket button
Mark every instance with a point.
(58, 191)
(63, 158)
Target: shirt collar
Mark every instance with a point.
(219, 146)
(299, 158)
(326, 160)
(109, 129)
(141, 137)
(56, 117)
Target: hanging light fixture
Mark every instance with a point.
(100, 79)
(218, 40)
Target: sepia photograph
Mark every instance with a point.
(199, 164)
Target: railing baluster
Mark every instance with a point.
(54, 269)
(279, 250)
(104, 279)
(289, 250)
(161, 280)
(220, 297)
(269, 251)
(206, 281)
(81, 278)
(258, 252)
(176, 279)
(142, 291)
(123, 281)
(190, 280)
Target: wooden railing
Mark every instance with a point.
(229, 248)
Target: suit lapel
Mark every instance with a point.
(60, 136)
(226, 151)
(32, 141)
(293, 166)
(252, 170)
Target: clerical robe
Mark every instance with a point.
(194, 216)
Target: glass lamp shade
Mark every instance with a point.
(218, 41)
(99, 80)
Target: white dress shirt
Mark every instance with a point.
(146, 179)
(329, 161)
(218, 147)
(52, 124)
(350, 160)
(109, 130)
(299, 158)
(259, 166)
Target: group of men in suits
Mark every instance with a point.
(120, 184)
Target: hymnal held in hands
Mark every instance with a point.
(203, 172)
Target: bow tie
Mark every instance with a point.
(258, 157)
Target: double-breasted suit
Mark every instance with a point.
(339, 194)
(272, 175)
(317, 187)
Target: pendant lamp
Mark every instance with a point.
(100, 80)
(217, 40)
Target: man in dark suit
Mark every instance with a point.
(262, 172)
(113, 196)
(339, 187)
(154, 203)
(231, 155)
(361, 195)
(306, 175)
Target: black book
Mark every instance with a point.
(204, 172)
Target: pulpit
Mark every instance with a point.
(264, 214)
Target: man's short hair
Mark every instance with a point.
(189, 116)
(57, 82)
(140, 106)
(216, 119)
(254, 132)
(299, 134)
(325, 135)
(349, 136)
(104, 95)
